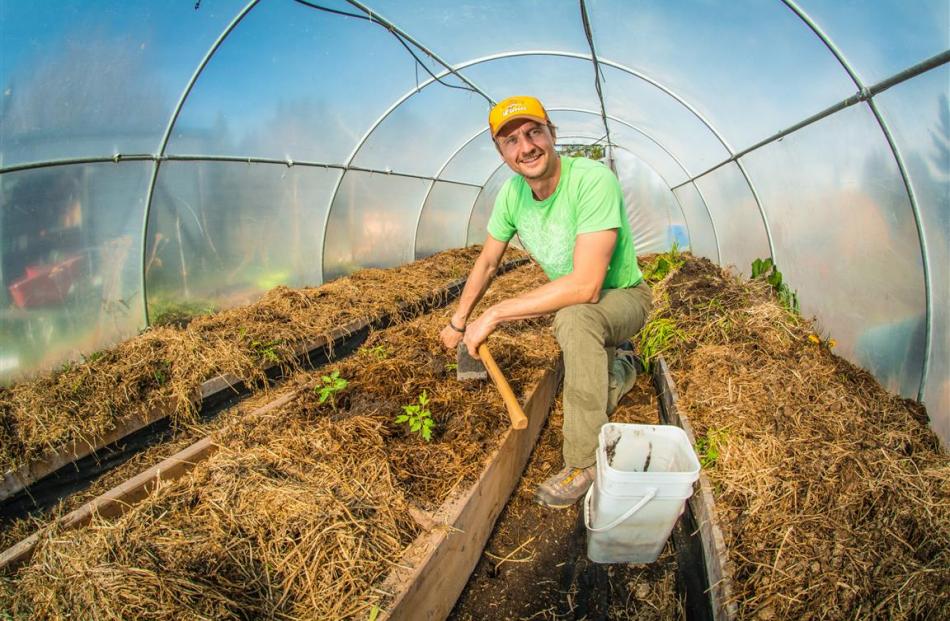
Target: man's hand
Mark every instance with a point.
(478, 280)
(477, 332)
(451, 337)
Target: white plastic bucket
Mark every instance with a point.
(645, 474)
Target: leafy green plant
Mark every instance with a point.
(328, 386)
(663, 264)
(266, 350)
(178, 312)
(162, 374)
(380, 352)
(709, 447)
(657, 337)
(765, 268)
(94, 356)
(592, 151)
(418, 417)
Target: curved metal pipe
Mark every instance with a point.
(396, 104)
(623, 68)
(682, 166)
(165, 137)
(905, 177)
(415, 231)
(471, 212)
(682, 211)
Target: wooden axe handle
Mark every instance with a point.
(515, 413)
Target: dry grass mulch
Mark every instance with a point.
(833, 494)
(165, 366)
(304, 509)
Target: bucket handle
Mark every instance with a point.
(651, 492)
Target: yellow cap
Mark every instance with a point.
(518, 107)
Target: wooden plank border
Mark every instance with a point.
(700, 518)
(435, 569)
(222, 386)
(121, 498)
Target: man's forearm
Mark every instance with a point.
(478, 280)
(548, 298)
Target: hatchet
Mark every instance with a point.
(470, 368)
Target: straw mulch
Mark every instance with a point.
(304, 509)
(833, 495)
(165, 366)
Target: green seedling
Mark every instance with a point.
(765, 268)
(451, 366)
(657, 337)
(179, 313)
(418, 417)
(663, 264)
(266, 350)
(709, 447)
(162, 374)
(94, 356)
(380, 352)
(329, 386)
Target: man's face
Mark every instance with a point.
(528, 148)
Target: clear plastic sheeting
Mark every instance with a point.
(918, 114)
(656, 220)
(82, 81)
(777, 70)
(443, 223)
(650, 151)
(540, 75)
(222, 147)
(665, 119)
(222, 234)
(474, 162)
(461, 32)
(736, 217)
(372, 222)
(70, 262)
(424, 132)
(703, 241)
(284, 84)
(481, 210)
(839, 213)
(883, 37)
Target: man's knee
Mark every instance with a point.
(573, 321)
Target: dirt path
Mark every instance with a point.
(535, 565)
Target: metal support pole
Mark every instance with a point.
(166, 136)
(867, 93)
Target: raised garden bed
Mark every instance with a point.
(305, 492)
(55, 420)
(833, 495)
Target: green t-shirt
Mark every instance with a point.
(588, 198)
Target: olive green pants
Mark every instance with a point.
(594, 378)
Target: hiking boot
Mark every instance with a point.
(565, 488)
(626, 350)
(622, 374)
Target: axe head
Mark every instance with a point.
(467, 367)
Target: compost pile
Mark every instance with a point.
(834, 496)
(165, 366)
(305, 508)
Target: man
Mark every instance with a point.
(569, 214)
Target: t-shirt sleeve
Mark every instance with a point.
(600, 201)
(501, 225)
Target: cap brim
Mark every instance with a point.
(517, 117)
